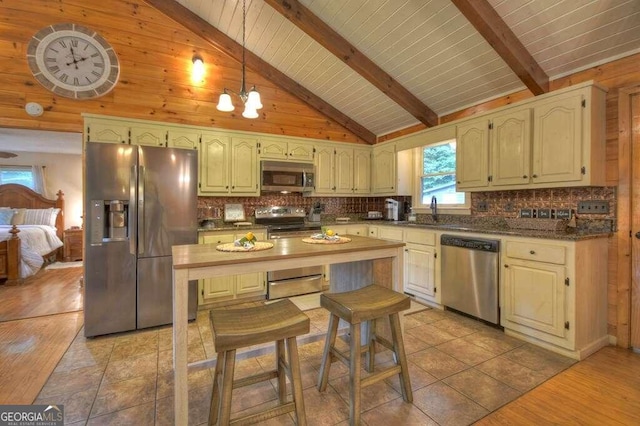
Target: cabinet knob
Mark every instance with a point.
(506, 266)
(532, 252)
(233, 187)
(458, 182)
(638, 235)
(524, 176)
(534, 175)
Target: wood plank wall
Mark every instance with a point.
(155, 81)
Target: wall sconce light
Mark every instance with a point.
(197, 72)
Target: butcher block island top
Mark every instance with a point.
(287, 252)
(360, 262)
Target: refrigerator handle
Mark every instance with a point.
(132, 202)
(141, 196)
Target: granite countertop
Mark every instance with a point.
(571, 235)
(492, 228)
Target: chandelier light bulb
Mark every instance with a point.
(251, 100)
(224, 103)
(254, 99)
(249, 112)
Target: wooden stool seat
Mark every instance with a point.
(233, 329)
(366, 304)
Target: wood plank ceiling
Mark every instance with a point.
(415, 60)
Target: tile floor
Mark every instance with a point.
(460, 371)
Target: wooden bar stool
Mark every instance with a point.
(239, 328)
(365, 304)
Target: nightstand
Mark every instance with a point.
(72, 244)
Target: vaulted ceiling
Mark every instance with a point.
(377, 66)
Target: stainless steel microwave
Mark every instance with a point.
(282, 176)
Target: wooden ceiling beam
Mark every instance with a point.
(491, 26)
(322, 33)
(216, 38)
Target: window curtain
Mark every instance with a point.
(39, 182)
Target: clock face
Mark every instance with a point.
(73, 61)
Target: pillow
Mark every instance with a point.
(41, 216)
(18, 216)
(5, 216)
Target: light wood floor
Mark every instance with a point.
(48, 292)
(603, 389)
(40, 319)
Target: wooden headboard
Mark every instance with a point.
(19, 196)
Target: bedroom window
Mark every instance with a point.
(32, 177)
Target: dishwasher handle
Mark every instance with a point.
(480, 244)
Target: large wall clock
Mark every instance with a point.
(73, 61)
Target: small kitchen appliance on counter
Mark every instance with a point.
(391, 209)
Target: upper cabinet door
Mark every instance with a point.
(510, 148)
(276, 150)
(214, 163)
(300, 151)
(361, 171)
(472, 154)
(179, 138)
(148, 135)
(383, 170)
(108, 131)
(325, 165)
(344, 170)
(557, 140)
(244, 166)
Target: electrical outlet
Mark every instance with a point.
(593, 207)
(483, 206)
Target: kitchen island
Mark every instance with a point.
(198, 261)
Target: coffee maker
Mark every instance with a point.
(391, 209)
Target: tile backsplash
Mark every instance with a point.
(509, 203)
(213, 207)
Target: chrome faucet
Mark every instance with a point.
(434, 208)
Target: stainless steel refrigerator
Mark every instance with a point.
(139, 201)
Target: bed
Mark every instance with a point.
(28, 241)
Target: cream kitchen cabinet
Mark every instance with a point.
(277, 149)
(183, 138)
(553, 293)
(148, 135)
(553, 140)
(342, 171)
(325, 162)
(569, 139)
(107, 131)
(494, 151)
(228, 165)
(420, 264)
(383, 169)
(234, 286)
(472, 154)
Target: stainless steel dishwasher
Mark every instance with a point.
(470, 276)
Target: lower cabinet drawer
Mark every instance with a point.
(538, 252)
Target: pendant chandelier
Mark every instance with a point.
(250, 99)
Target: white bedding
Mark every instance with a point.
(36, 241)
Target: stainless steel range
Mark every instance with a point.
(288, 222)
